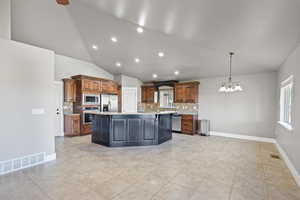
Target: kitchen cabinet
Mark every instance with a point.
(109, 87)
(186, 92)
(148, 94)
(69, 90)
(86, 129)
(179, 93)
(119, 98)
(72, 125)
(189, 124)
(90, 86)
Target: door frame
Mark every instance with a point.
(136, 92)
(61, 91)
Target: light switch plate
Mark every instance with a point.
(38, 111)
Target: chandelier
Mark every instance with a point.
(230, 86)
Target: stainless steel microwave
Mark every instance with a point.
(91, 99)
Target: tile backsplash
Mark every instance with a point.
(68, 108)
(179, 107)
(149, 107)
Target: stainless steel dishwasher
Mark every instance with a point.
(176, 123)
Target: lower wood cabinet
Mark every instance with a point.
(72, 125)
(86, 129)
(189, 124)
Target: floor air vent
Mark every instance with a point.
(275, 156)
(21, 163)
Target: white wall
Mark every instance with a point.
(127, 81)
(290, 140)
(251, 112)
(5, 19)
(65, 67)
(26, 83)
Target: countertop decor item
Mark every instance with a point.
(230, 86)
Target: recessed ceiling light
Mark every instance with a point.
(137, 60)
(118, 64)
(95, 47)
(161, 54)
(154, 75)
(114, 39)
(139, 29)
(176, 72)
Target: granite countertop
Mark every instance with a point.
(70, 114)
(134, 113)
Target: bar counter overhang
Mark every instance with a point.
(131, 129)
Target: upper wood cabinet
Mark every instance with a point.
(91, 86)
(148, 94)
(186, 92)
(69, 90)
(109, 87)
(96, 85)
(179, 93)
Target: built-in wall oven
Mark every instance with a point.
(87, 118)
(90, 99)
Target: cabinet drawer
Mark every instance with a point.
(187, 130)
(187, 123)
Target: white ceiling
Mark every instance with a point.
(195, 35)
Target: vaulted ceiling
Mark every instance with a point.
(195, 35)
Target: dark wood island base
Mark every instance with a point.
(136, 129)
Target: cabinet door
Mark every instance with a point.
(76, 126)
(144, 94)
(179, 93)
(189, 93)
(105, 88)
(109, 87)
(150, 94)
(69, 90)
(188, 124)
(95, 86)
(86, 85)
(114, 87)
(134, 130)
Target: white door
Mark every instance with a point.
(58, 95)
(129, 99)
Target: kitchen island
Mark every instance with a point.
(131, 129)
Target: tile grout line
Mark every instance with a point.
(42, 190)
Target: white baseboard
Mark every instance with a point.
(289, 163)
(283, 154)
(50, 157)
(243, 137)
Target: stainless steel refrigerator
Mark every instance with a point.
(109, 103)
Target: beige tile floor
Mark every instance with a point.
(188, 167)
